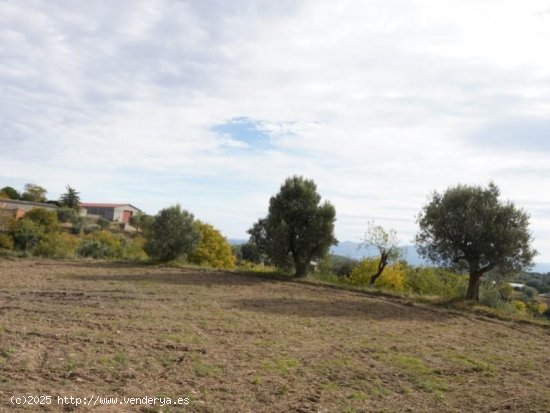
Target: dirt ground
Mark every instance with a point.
(235, 343)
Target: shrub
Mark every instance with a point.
(520, 306)
(134, 249)
(6, 241)
(65, 214)
(172, 234)
(57, 245)
(46, 219)
(436, 281)
(27, 234)
(103, 223)
(94, 249)
(213, 250)
(90, 229)
(101, 244)
(490, 295)
(393, 277)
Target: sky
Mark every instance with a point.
(212, 104)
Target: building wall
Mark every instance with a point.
(123, 213)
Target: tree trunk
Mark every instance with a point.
(473, 286)
(381, 265)
(301, 269)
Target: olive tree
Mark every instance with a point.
(469, 227)
(386, 245)
(34, 193)
(172, 234)
(298, 227)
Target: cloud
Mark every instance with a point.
(213, 103)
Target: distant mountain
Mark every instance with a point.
(352, 249)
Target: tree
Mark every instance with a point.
(9, 192)
(298, 228)
(213, 250)
(34, 193)
(386, 244)
(470, 228)
(172, 234)
(70, 199)
(141, 222)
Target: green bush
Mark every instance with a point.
(66, 214)
(490, 295)
(46, 219)
(94, 249)
(103, 223)
(57, 245)
(172, 234)
(27, 234)
(436, 282)
(101, 244)
(6, 241)
(134, 249)
(90, 229)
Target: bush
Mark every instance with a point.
(27, 234)
(90, 229)
(172, 234)
(46, 219)
(6, 241)
(103, 223)
(436, 282)
(101, 244)
(213, 250)
(65, 214)
(520, 306)
(393, 277)
(490, 295)
(57, 245)
(134, 249)
(94, 249)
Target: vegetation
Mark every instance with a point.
(70, 199)
(212, 250)
(469, 227)
(141, 222)
(387, 245)
(9, 192)
(173, 234)
(394, 278)
(297, 229)
(46, 219)
(34, 193)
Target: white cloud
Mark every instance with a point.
(380, 102)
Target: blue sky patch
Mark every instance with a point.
(247, 131)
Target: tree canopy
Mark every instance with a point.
(298, 228)
(470, 228)
(172, 234)
(70, 199)
(9, 192)
(213, 250)
(386, 244)
(34, 193)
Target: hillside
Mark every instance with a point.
(236, 343)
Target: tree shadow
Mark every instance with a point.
(360, 308)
